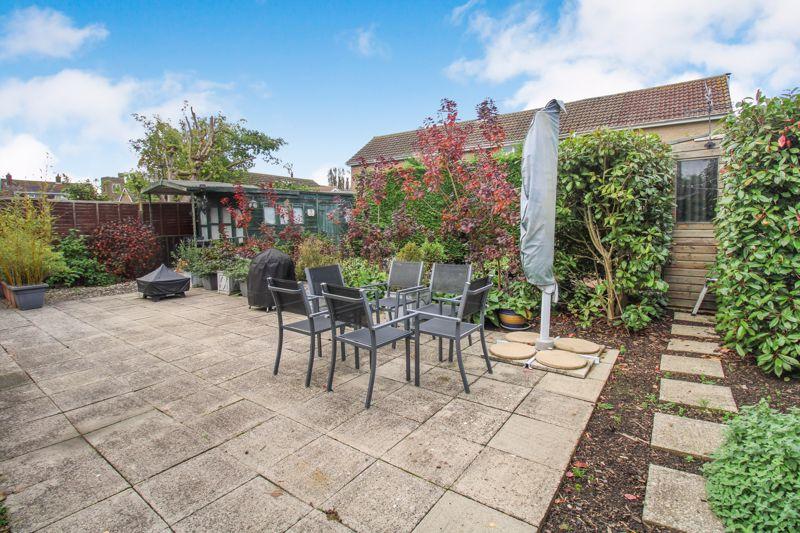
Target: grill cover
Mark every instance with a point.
(271, 263)
(162, 281)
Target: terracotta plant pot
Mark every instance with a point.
(511, 320)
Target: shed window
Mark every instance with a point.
(696, 190)
(269, 215)
(297, 215)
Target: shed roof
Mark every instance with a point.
(675, 102)
(184, 187)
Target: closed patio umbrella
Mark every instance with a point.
(538, 209)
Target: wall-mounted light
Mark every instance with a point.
(253, 204)
(310, 212)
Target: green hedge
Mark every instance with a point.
(758, 230)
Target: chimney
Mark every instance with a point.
(58, 178)
(8, 179)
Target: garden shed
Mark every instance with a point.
(315, 211)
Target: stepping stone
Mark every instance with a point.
(701, 332)
(697, 319)
(697, 395)
(681, 345)
(692, 365)
(678, 500)
(686, 435)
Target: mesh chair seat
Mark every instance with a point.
(441, 327)
(389, 302)
(383, 336)
(321, 325)
(433, 308)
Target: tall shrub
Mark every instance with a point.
(758, 230)
(614, 223)
(26, 231)
(126, 248)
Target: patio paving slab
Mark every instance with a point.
(125, 511)
(229, 421)
(692, 365)
(268, 443)
(48, 484)
(434, 455)
(413, 402)
(697, 319)
(697, 395)
(106, 412)
(318, 470)
(495, 394)
(700, 332)
(16, 395)
(444, 381)
(28, 411)
(24, 437)
(383, 498)
(200, 403)
(189, 486)
(683, 345)
(374, 430)
(145, 445)
(556, 409)
(91, 393)
(326, 410)
(515, 374)
(582, 389)
(454, 512)
(181, 386)
(511, 484)
(258, 505)
(682, 435)
(468, 420)
(677, 500)
(318, 522)
(538, 441)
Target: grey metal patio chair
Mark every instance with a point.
(404, 278)
(350, 306)
(316, 276)
(291, 297)
(455, 328)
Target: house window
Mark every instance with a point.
(696, 190)
(269, 215)
(297, 215)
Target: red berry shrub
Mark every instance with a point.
(126, 248)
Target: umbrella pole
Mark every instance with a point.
(545, 342)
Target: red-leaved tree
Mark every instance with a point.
(239, 209)
(126, 248)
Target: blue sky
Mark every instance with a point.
(327, 76)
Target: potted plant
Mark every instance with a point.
(511, 302)
(26, 254)
(187, 257)
(225, 283)
(236, 274)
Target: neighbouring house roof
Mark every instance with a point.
(673, 103)
(256, 178)
(16, 186)
(184, 187)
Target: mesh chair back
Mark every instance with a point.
(289, 296)
(404, 274)
(449, 279)
(331, 274)
(473, 300)
(347, 305)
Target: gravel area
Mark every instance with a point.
(63, 294)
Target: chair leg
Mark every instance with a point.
(441, 358)
(450, 354)
(485, 351)
(461, 366)
(310, 361)
(373, 368)
(278, 355)
(319, 345)
(333, 365)
(470, 339)
(394, 344)
(408, 358)
(416, 357)
(341, 332)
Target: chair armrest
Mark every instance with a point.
(411, 290)
(319, 313)
(454, 300)
(409, 316)
(373, 285)
(423, 314)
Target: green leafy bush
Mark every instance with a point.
(80, 267)
(238, 269)
(358, 272)
(314, 251)
(614, 217)
(187, 256)
(758, 230)
(409, 252)
(754, 482)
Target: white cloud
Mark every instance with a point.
(365, 42)
(45, 32)
(458, 12)
(84, 119)
(596, 47)
(24, 156)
